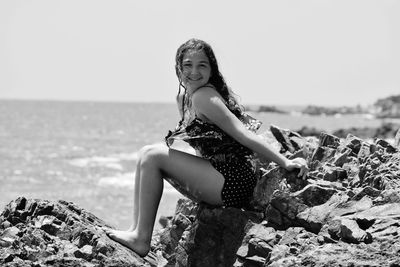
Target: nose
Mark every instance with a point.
(194, 71)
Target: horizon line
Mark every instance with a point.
(167, 102)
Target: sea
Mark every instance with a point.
(86, 152)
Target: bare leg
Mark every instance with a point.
(136, 197)
(194, 174)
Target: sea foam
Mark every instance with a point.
(127, 181)
(112, 161)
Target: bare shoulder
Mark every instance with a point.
(205, 95)
(209, 104)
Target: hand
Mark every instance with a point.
(298, 163)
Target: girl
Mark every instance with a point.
(223, 136)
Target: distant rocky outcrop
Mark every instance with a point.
(330, 111)
(346, 213)
(384, 131)
(41, 233)
(387, 130)
(265, 108)
(388, 107)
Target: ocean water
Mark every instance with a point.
(86, 152)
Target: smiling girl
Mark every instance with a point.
(222, 172)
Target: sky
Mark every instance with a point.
(300, 52)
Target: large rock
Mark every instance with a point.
(43, 233)
(202, 235)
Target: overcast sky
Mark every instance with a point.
(270, 52)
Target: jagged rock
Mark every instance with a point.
(342, 157)
(211, 239)
(323, 154)
(328, 140)
(345, 213)
(349, 231)
(282, 211)
(314, 194)
(290, 141)
(397, 139)
(366, 191)
(257, 245)
(43, 233)
(274, 179)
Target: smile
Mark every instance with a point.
(194, 80)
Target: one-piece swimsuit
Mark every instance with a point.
(233, 160)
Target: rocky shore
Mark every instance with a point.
(38, 233)
(346, 213)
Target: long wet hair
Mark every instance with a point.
(216, 78)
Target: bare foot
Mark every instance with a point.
(130, 240)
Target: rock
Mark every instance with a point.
(259, 240)
(345, 213)
(45, 233)
(211, 239)
(322, 154)
(313, 194)
(274, 179)
(290, 141)
(349, 231)
(397, 139)
(85, 252)
(165, 221)
(342, 157)
(386, 145)
(366, 191)
(328, 140)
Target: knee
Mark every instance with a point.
(151, 155)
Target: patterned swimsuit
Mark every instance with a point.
(233, 160)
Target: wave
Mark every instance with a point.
(112, 161)
(123, 180)
(127, 181)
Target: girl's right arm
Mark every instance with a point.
(209, 104)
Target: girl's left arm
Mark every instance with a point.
(207, 102)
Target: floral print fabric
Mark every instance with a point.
(233, 160)
(211, 141)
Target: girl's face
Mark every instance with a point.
(196, 70)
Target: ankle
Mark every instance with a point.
(142, 237)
